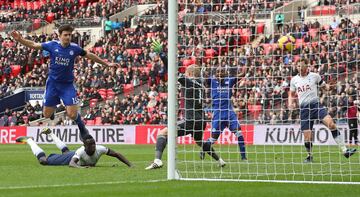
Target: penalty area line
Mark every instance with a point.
(77, 184)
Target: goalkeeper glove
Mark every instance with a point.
(156, 45)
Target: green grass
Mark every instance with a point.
(21, 175)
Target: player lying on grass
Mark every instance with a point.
(306, 84)
(86, 156)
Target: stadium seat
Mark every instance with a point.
(102, 91)
(15, 70)
(260, 28)
(29, 5)
(267, 48)
(299, 43)
(110, 91)
(163, 95)
(22, 3)
(316, 10)
(221, 31)
(2, 26)
(50, 17)
(237, 31)
(36, 23)
(229, 31)
(296, 58)
(150, 34)
(83, 3)
(255, 110)
(93, 102)
(98, 121)
(147, 70)
(37, 5)
(210, 52)
(337, 31)
(90, 122)
(128, 88)
(313, 32)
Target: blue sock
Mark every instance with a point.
(81, 125)
(241, 143)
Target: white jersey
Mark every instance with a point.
(306, 87)
(85, 159)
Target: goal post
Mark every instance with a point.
(242, 37)
(172, 87)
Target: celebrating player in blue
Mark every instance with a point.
(86, 156)
(221, 87)
(60, 82)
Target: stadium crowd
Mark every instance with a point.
(51, 10)
(332, 50)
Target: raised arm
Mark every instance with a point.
(28, 43)
(97, 59)
(119, 156)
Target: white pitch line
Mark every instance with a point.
(77, 184)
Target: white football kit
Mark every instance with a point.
(85, 159)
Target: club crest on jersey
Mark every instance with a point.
(304, 88)
(71, 52)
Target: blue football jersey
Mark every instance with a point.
(221, 93)
(62, 60)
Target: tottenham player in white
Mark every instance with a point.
(86, 156)
(306, 84)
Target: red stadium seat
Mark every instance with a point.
(163, 95)
(150, 34)
(296, 58)
(50, 17)
(98, 121)
(210, 52)
(128, 88)
(99, 50)
(299, 43)
(15, 70)
(337, 31)
(36, 24)
(110, 92)
(255, 110)
(316, 10)
(93, 102)
(313, 33)
(260, 28)
(29, 5)
(229, 31)
(37, 5)
(237, 31)
(90, 122)
(267, 48)
(221, 31)
(83, 3)
(23, 3)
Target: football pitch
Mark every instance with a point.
(21, 175)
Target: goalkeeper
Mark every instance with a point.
(194, 122)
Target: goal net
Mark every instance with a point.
(242, 37)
